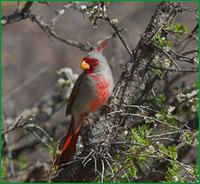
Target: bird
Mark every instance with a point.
(91, 91)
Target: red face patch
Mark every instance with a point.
(92, 62)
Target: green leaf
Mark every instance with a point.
(159, 100)
(162, 41)
(138, 136)
(188, 137)
(156, 71)
(178, 29)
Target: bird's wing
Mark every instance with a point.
(74, 93)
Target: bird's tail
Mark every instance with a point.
(69, 147)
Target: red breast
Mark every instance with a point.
(102, 88)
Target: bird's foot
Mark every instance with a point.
(106, 109)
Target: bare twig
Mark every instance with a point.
(61, 12)
(30, 126)
(14, 126)
(17, 16)
(119, 35)
(175, 70)
(149, 118)
(102, 171)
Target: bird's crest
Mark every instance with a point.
(101, 46)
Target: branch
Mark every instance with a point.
(51, 31)
(175, 70)
(30, 125)
(13, 127)
(119, 35)
(17, 16)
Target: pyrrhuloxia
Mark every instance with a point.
(91, 90)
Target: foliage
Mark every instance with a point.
(155, 140)
(178, 29)
(162, 41)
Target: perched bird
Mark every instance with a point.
(91, 90)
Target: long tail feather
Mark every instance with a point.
(69, 147)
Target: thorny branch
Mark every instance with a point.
(30, 126)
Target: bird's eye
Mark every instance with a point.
(95, 62)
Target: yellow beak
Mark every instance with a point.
(84, 65)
